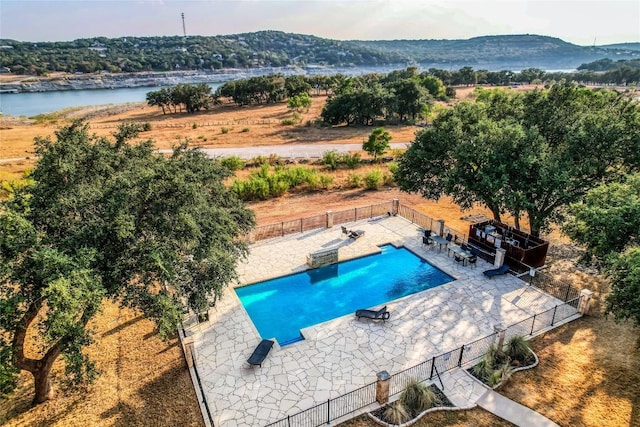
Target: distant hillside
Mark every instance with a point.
(277, 49)
(512, 50)
(622, 46)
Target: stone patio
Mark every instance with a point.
(343, 354)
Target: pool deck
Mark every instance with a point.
(343, 354)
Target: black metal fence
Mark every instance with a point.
(427, 370)
(204, 398)
(332, 409)
(560, 290)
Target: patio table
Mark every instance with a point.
(441, 241)
(459, 251)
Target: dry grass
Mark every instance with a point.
(477, 417)
(143, 381)
(589, 369)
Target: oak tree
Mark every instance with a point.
(109, 220)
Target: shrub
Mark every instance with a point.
(417, 397)
(354, 180)
(325, 181)
(277, 185)
(396, 414)
(396, 152)
(330, 159)
(233, 163)
(224, 130)
(194, 126)
(244, 130)
(500, 376)
(297, 175)
(146, 127)
(288, 122)
(373, 179)
(388, 179)
(274, 159)
(518, 348)
(313, 180)
(260, 160)
(483, 369)
(351, 160)
(393, 167)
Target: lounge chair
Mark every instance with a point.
(374, 314)
(356, 234)
(260, 353)
(504, 269)
(344, 230)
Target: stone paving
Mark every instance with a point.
(344, 353)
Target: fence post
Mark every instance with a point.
(533, 323)
(433, 364)
(288, 421)
(382, 387)
(553, 318)
(566, 295)
(500, 330)
(440, 230)
(329, 219)
(395, 207)
(281, 229)
(585, 300)
(328, 411)
(460, 358)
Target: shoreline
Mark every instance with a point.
(65, 82)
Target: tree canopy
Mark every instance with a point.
(607, 223)
(377, 143)
(112, 220)
(193, 97)
(532, 153)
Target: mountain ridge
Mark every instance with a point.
(270, 48)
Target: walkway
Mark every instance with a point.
(343, 354)
(464, 391)
(513, 411)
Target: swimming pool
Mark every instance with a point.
(281, 307)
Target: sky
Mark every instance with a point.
(582, 22)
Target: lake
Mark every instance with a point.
(32, 104)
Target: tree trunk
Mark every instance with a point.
(516, 219)
(42, 385)
(534, 225)
(496, 213)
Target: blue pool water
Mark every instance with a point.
(281, 307)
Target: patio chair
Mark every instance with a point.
(473, 259)
(260, 353)
(449, 237)
(427, 241)
(381, 314)
(504, 269)
(344, 230)
(356, 234)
